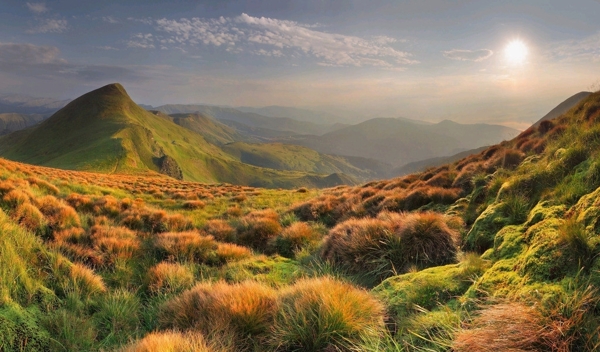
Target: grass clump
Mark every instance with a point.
(170, 341)
(391, 244)
(188, 246)
(293, 238)
(168, 278)
(325, 314)
(246, 309)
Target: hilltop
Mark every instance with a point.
(105, 131)
(500, 249)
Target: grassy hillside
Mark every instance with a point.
(498, 251)
(292, 157)
(212, 130)
(564, 107)
(105, 131)
(400, 141)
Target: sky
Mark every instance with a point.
(421, 59)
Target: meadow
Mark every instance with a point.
(495, 252)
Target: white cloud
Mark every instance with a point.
(50, 26)
(141, 41)
(468, 55)
(195, 31)
(11, 53)
(584, 49)
(107, 47)
(110, 19)
(37, 7)
(273, 37)
(147, 20)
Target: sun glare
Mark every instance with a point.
(516, 52)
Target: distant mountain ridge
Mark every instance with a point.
(23, 104)
(105, 131)
(10, 122)
(318, 117)
(283, 124)
(400, 141)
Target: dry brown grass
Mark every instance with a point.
(503, 327)
(255, 230)
(187, 246)
(114, 242)
(168, 278)
(221, 230)
(228, 252)
(30, 217)
(170, 341)
(247, 309)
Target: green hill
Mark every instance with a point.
(297, 158)
(212, 130)
(104, 130)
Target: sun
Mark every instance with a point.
(516, 52)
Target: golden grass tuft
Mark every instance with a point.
(187, 246)
(170, 341)
(167, 278)
(325, 314)
(85, 281)
(30, 217)
(246, 309)
(228, 252)
(220, 230)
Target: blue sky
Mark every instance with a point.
(422, 59)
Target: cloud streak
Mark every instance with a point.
(37, 8)
(468, 55)
(585, 49)
(264, 36)
(45, 62)
(50, 26)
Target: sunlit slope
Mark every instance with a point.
(293, 157)
(105, 131)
